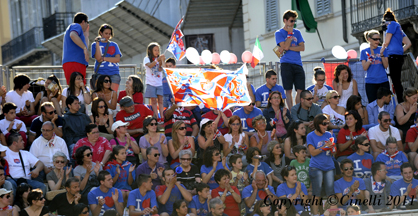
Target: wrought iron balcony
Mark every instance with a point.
(56, 23)
(368, 14)
(25, 45)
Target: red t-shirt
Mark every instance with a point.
(231, 208)
(342, 138)
(411, 136)
(137, 97)
(136, 118)
(98, 150)
(221, 126)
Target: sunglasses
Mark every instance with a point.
(365, 144)
(252, 104)
(186, 159)
(157, 155)
(376, 39)
(182, 128)
(7, 197)
(348, 168)
(101, 107)
(153, 124)
(325, 123)
(52, 112)
(85, 212)
(45, 130)
(292, 21)
(107, 81)
(41, 198)
(289, 167)
(387, 120)
(217, 154)
(60, 161)
(336, 96)
(309, 99)
(235, 124)
(320, 80)
(88, 155)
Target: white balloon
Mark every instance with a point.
(192, 55)
(339, 52)
(225, 56)
(364, 46)
(207, 56)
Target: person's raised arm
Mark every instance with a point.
(186, 194)
(169, 112)
(401, 117)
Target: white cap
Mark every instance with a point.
(4, 191)
(3, 148)
(204, 121)
(118, 124)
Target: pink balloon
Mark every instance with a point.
(201, 61)
(351, 54)
(416, 61)
(216, 58)
(247, 57)
(233, 58)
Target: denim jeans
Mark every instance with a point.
(318, 177)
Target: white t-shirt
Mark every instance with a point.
(228, 138)
(376, 134)
(15, 165)
(4, 124)
(40, 148)
(80, 96)
(19, 101)
(153, 76)
(380, 109)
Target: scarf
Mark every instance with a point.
(51, 141)
(390, 157)
(377, 187)
(180, 110)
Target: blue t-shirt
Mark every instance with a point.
(166, 87)
(93, 198)
(244, 116)
(292, 57)
(261, 195)
(212, 183)
(283, 189)
(140, 202)
(262, 93)
(362, 164)
(393, 166)
(395, 46)
(261, 166)
(174, 195)
(72, 52)
(399, 187)
(343, 187)
(201, 208)
(107, 68)
(376, 73)
(323, 160)
(122, 182)
(252, 88)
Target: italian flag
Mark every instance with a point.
(257, 53)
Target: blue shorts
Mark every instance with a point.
(153, 91)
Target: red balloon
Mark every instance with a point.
(201, 61)
(247, 57)
(351, 54)
(233, 59)
(216, 58)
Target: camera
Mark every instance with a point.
(259, 157)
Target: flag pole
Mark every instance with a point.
(320, 38)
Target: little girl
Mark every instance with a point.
(154, 78)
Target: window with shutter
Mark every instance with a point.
(272, 16)
(323, 7)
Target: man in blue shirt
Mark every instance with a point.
(406, 187)
(382, 103)
(247, 113)
(258, 190)
(306, 110)
(348, 187)
(291, 44)
(262, 93)
(142, 200)
(377, 186)
(105, 196)
(75, 54)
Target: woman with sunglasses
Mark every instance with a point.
(123, 138)
(191, 174)
(277, 161)
(405, 111)
(237, 140)
(351, 130)
(51, 93)
(296, 135)
(362, 160)
(277, 115)
(212, 162)
(36, 204)
(59, 175)
(105, 92)
(392, 158)
(81, 209)
(209, 136)
(5, 201)
(153, 138)
(21, 199)
(321, 166)
(335, 112)
(110, 62)
(292, 188)
(374, 64)
(179, 142)
(393, 42)
(319, 89)
(100, 145)
(87, 170)
(344, 84)
(262, 137)
(354, 103)
(134, 88)
(261, 209)
(101, 117)
(78, 89)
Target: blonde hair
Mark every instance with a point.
(329, 94)
(369, 34)
(176, 126)
(409, 92)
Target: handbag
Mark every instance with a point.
(95, 75)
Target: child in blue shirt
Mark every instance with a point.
(143, 199)
(199, 204)
(392, 158)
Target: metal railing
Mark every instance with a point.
(22, 44)
(56, 23)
